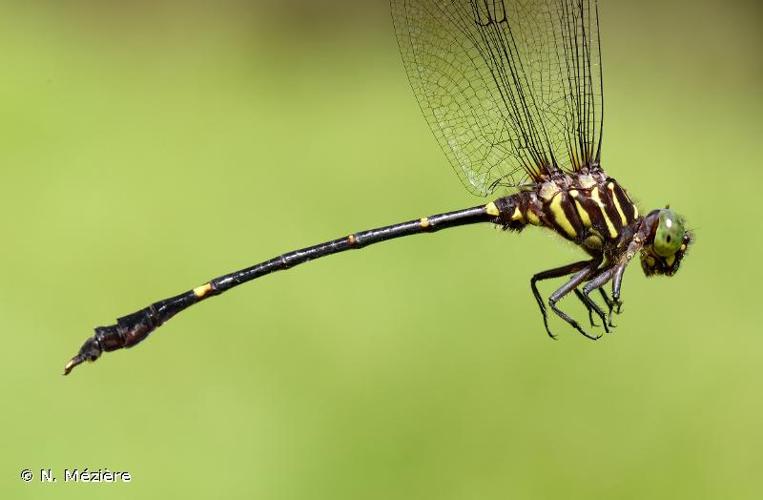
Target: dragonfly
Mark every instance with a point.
(513, 93)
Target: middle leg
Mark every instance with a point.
(555, 273)
(577, 278)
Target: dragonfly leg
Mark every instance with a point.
(613, 305)
(617, 282)
(558, 272)
(577, 278)
(598, 281)
(579, 295)
(607, 300)
(610, 306)
(592, 307)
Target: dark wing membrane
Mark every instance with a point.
(511, 89)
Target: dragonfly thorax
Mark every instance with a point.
(588, 208)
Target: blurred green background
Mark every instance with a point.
(149, 146)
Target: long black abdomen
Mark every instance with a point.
(134, 328)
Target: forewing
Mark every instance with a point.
(511, 89)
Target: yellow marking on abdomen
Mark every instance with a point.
(584, 217)
(611, 187)
(351, 239)
(635, 212)
(492, 209)
(424, 222)
(610, 227)
(560, 217)
(201, 291)
(517, 215)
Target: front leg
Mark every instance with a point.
(614, 301)
(602, 278)
(617, 282)
(617, 277)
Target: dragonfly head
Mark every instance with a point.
(666, 243)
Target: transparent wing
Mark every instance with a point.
(511, 89)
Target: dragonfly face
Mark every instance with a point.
(667, 243)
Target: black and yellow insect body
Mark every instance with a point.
(593, 211)
(512, 91)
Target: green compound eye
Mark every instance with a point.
(670, 233)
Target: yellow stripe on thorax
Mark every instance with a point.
(584, 217)
(610, 227)
(560, 217)
(593, 242)
(611, 188)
